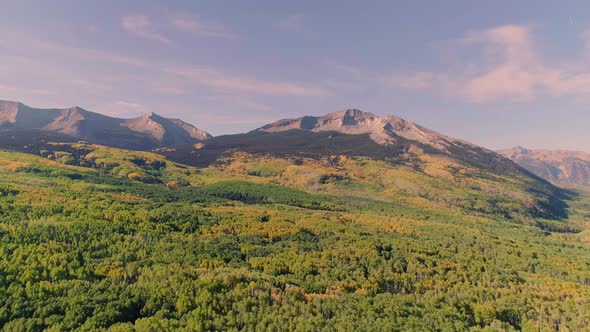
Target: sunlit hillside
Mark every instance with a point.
(97, 238)
(305, 166)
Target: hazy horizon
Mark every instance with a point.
(495, 77)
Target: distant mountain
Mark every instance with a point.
(462, 169)
(383, 130)
(392, 136)
(169, 132)
(347, 132)
(561, 167)
(144, 132)
(353, 133)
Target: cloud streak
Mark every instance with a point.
(91, 86)
(222, 81)
(110, 82)
(199, 26)
(518, 74)
(295, 23)
(418, 80)
(509, 68)
(140, 25)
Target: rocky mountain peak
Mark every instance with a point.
(561, 167)
(144, 132)
(383, 130)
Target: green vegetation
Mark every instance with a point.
(272, 244)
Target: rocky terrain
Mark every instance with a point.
(561, 167)
(144, 132)
(382, 130)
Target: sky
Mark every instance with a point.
(496, 73)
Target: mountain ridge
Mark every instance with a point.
(342, 134)
(560, 167)
(384, 130)
(146, 131)
(393, 133)
(355, 134)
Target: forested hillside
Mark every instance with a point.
(96, 238)
(305, 166)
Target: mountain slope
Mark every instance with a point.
(399, 134)
(167, 131)
(382, 130)
(561, 167)
(464, 170)
(332, 226)
(144, 132)
(496, 184)
(140, 243)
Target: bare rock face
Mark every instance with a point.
(167, 131)
(193, 131)
(383, 130)
(144, 132)
(561, 167)
(147, 124)
(17, 115)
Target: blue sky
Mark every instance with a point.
(497, 73)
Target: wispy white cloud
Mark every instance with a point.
(91, 86)
(295, 23)
(11, 92)
(168, 88)
(418, 80)
(61, 51)
(247, 120)
(510, 68)
(344, 68)
(515, 70)
(252, 105)
(119, 108)
(124, 85)
(202, 27)
(222, 81)
(520, 72)
(252, 85)
(245, 103)
(130, 105)
(141, 26)
(192, 78)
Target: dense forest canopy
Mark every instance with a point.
(96, 238)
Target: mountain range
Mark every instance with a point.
(383, 130)
(145, 132)
(349, 131)
(346, 133)
(561, 167)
